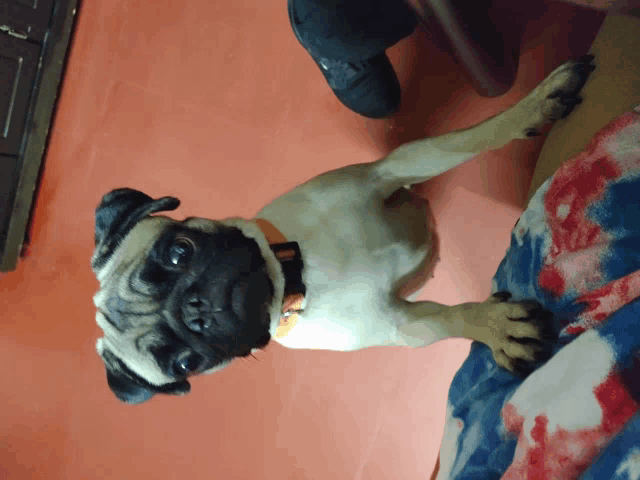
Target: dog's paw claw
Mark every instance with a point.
(502, 296)
(585, 58)
(521, 333)
(568, 95)
(522, 368)
(557, 96)
(570, 101)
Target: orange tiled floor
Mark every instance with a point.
(216, 103)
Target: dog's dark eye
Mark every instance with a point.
(187, 363)
(180, 252)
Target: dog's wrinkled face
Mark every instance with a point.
(176, 298)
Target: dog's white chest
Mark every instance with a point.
(347, 305)
(354, 252)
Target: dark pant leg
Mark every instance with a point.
(350, 30)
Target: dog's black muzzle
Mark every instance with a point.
(223, 300)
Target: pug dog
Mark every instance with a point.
(328, 265)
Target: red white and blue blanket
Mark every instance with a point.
(576, 249)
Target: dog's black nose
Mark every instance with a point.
(198, 324)
(197, 314)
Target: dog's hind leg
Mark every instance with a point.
(554, 98)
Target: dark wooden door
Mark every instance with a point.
(26, 19)
(18, 67)
(34, 36)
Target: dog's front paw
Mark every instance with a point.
(520, 334)
(555, 97)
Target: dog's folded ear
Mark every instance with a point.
(118, 213)
(130, 388)
(126, 390)
(129, 391)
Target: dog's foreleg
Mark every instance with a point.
(552, 99)
(518, 333)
